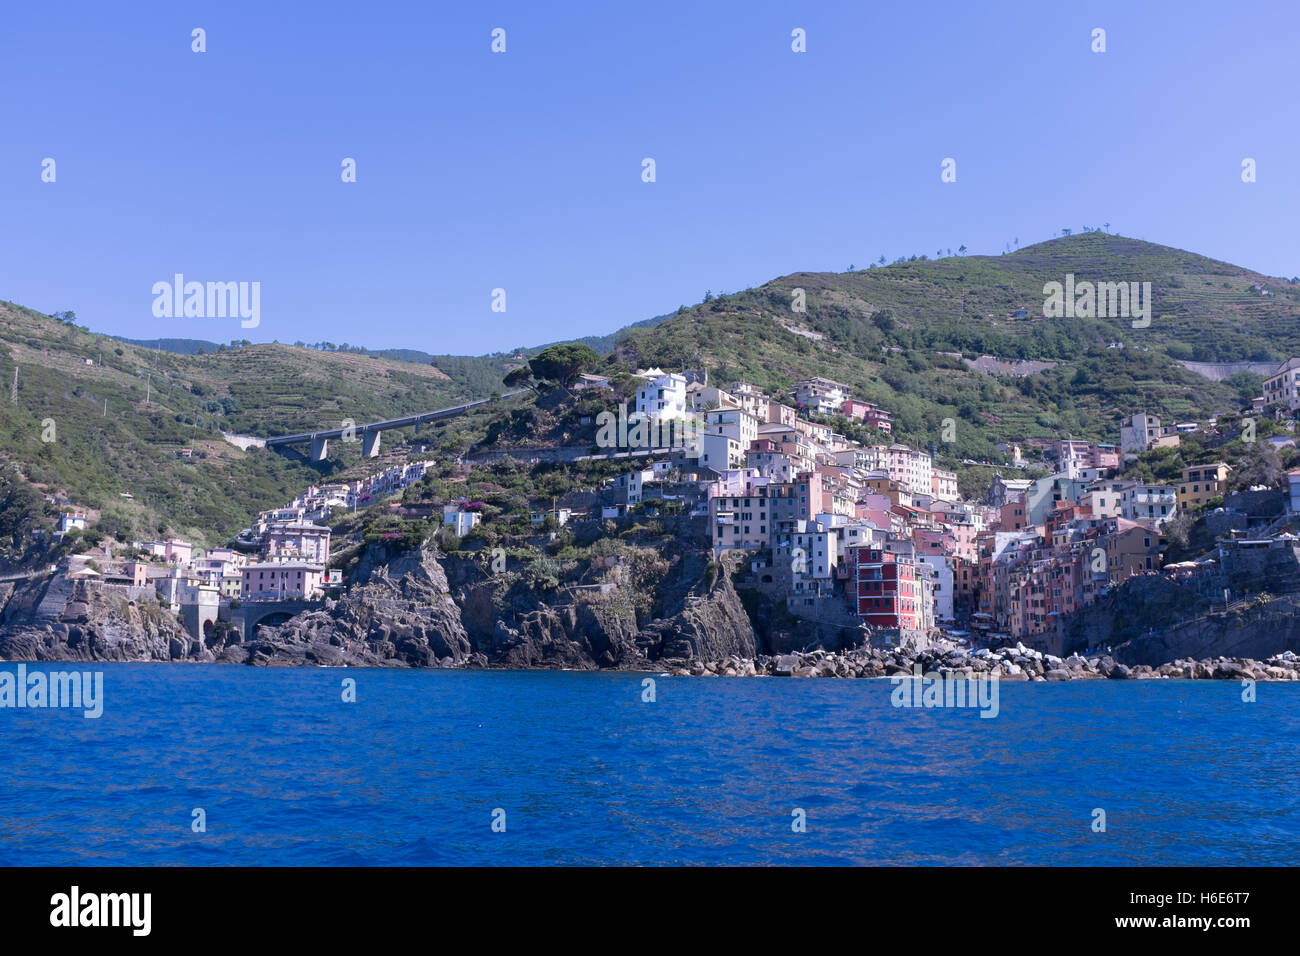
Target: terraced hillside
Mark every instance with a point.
(118, 416)
(903, 335)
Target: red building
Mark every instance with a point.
(887, 588)
(873, 415)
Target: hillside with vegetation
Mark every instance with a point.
(959, 338)
(98, 419)
(907, 335)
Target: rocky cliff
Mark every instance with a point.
(1256, 630)
(423, 609)
(54, 618)
(406, 614)
(403, 615)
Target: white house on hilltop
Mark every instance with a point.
(663, 395)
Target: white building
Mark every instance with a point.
(871, 458)
(941, 577)
(820, 395)
(812, 551)
(68, 522)
(630, 488)
(732, 422)
(1283, 386)
(662, 396)
(220, 568)
(459, 521)
(721, 452)
(703, 398)
(297, 541)
(1148, 504)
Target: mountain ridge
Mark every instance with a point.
(903, 335)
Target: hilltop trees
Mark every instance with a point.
(557, 364)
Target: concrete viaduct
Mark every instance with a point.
(369, 434)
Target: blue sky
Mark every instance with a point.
(522, 170)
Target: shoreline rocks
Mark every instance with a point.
(1017, 663)
(405, 613)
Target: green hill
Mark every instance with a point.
(905, 335)
(88, 392)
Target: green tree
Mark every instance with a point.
(21, 507)
(519, 376)
(563, 363)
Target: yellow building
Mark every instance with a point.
(232, 585)
(1200, 483)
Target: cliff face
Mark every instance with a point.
(53, 618)
(711, 626)
(1251, 631)
(403, 612)
(695, 617)
(406, 613)
(402, 615)
(1152, 620)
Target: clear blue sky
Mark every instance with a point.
(523, 170)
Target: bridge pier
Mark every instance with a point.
(319, 448)
(370, 443)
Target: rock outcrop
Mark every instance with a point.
(403, 615)
(710, 625)
(1253, 630)
(53, 618)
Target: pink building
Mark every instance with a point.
(138, 572)
(963, 539)
(866, 412)
(297, 541)
(177, 551)
(943, 484)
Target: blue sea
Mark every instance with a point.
(581, 770)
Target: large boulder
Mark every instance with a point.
(403, 615)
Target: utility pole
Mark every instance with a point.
(13, 392)
(105, 408)
(147, 385)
